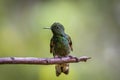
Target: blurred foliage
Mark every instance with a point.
(94, 26)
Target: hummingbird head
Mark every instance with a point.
(57, 28)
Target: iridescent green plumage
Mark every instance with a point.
(60, 46)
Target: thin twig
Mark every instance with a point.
(42, 61)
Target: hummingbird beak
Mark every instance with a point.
(47, 28)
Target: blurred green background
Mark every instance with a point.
(94, 26)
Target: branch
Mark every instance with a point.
(42, 61)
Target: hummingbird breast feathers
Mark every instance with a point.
(60, 45)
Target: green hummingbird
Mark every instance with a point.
(60, 46)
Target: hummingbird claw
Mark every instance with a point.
(57, 57)
(72, 57)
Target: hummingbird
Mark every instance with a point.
(60, 46)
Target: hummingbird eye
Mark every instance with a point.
(57, 27)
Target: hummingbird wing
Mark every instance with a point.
(51, 45)
(70, 42)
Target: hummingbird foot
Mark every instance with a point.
(57, 56)
(70, 56)
(73, 57)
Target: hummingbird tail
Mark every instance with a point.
(62, 68)
(65, 68)
(58, 69)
